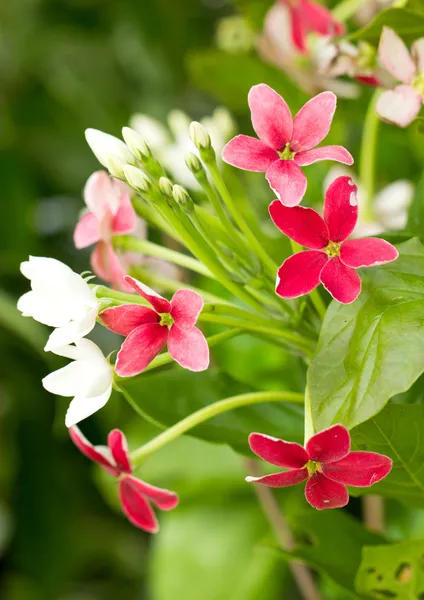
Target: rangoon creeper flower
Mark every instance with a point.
(111, 152)
(285, 144)
(148, 330)
(326, 463)
(401, 105)
(135, 495)
(110, 213)
(330, 260)
(88, 378)
(58, 298)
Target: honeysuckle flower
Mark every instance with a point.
(148, 330)
(88, 379)
(111, 152)
(58, 298)
(110, 213)
(330, 259)
(135, 495)
(401, 105)
(285, 144)
(326, 463)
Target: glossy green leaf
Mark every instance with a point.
(408, 23)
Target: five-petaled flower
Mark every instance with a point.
(135, 495)
(326, 462)
(285, 144)
(147, 330)
(330, 260)
(402, 104)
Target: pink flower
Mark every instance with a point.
(331, 260)
(135, 495)
(326, 462)
(285, 144)
(402, 104)
(148, 330)
(110, 213)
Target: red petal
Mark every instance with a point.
(360, 469)
(288, 181)
(341, 208)
(313, 121)
(186, 307)
(87, 231)
(300, 274)
(118, 446)
(278, 452)
(271, 117)
(298, 29)
(329, 445)
(136, 507)
(127, 317)
(323, 493)
(248, 153)
(342, 282)
(96, 453)
(106, 265)
(125, 220)
(189, 348)
(367, 252)
(160, 304)
(319, 19)
(163, 499)
(140, 348)
(337, 153)
(303, 225)
(284, 479)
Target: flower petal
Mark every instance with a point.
(87, 231)
(106, 264)
(118, 446)
(136, 508)
(418, 54)
(285, 479)
(323, 493)
(395, 56)
(98, 454)
(248, 153)
(125, 318)
(341, 208)
(342, 282)
(160, 304)
(271, 116)
(329, 445)
(73, 332)
(300, 274)
(298, 28)
(186, 307)
(399, 106)
(125, 220)
(367, 252)
(303, 225)
(82, 407)
(278, 452)
(189, 348)
(360, 469)
(140, 348)
(163, 499)
(68, 381)
(100, 195)
(337, 153)
(287, 181)
(313, 121)
(319, 19)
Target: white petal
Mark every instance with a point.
(71, 333)
(46, 310)
(109, 150)
(399, 106)
(152, 131)
(395, 56)
(68, 381)
(394, 199)
(81, 408)
(418, 54)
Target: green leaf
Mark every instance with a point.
(374, 348)
(416, 212)
(409, 24)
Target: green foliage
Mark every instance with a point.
(408, 23)
(416, 212)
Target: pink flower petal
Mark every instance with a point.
(300, 274)
(186, 307)
(303, 225)
(125, 318)
(399, 106)
(298, 28)
(97, 454)
(271, 117)
(337, 153)
(285, 479)
(248, 153)
(360, 469)
(329, 445)
(341, 208)
(342, 282)
(118, 446)
(395, 56)
(106, 265)
(125, 220)
(189, 348)
(136, 508)
(160, 304)
(322, 493)
(163, 499)
(287, 181)
(100, 194)
(87, 231)
(319, 19)
(140, 348)
(367, 252)
(313, 121)
(278, 452)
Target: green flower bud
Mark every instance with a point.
(137, 179)
(199, 136)
(136, 143)
(165, 186)
(182, 198)
(193, 162)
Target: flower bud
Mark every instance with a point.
(137, 179)
(193, 162)
(182, 198)
(136, 143)
(165, 186)
(111, 152)
(199, 136)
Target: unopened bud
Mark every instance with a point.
(136, 143)
(199, 136)
(111, 152)
(166, 186)
(193, 162)
(137, 179)
(182, 198)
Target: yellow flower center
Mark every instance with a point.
(166, 320)
(418, 84)
(332, 250)
(287, 153)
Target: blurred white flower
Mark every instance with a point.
(88, 378)
(110, 151)
(59, 298)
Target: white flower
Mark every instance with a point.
(110, 151)
(88, 378)
(59, 298)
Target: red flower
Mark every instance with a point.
(148, 330)
(326, 462)
(135, 494)
(331, 260)
(285, 143)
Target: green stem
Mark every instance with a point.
(223, 308)
(367, 157)
(208, 412)
(151, 215)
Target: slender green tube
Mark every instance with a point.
(367, 156)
